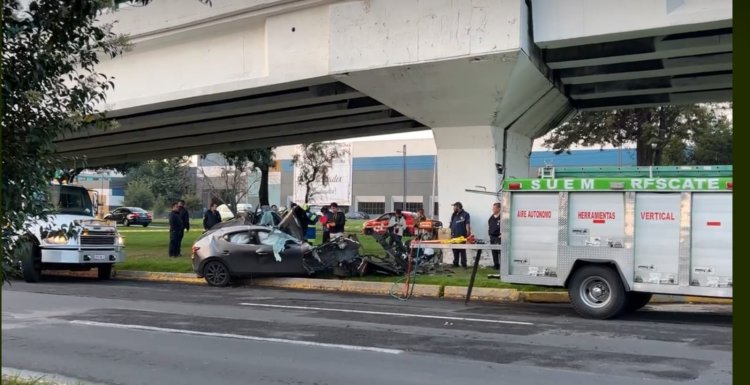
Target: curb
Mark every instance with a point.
(383, 288)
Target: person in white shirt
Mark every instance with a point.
(397, 225)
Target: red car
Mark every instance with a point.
(380, 224)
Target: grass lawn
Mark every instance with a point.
(146, 250)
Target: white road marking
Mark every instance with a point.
(387, 313)
(236, 336)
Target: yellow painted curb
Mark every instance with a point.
(708, 300)
(482, 293)
(159, 277)
(545, 296)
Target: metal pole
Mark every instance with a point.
(434, 187)
(403, 203)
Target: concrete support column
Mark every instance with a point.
(467, 158)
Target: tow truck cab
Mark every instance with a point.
(71, 238)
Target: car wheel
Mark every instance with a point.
(597, 292)
(368, 231)
(216, 273)
(145, 225)
(126, 223)
(104, 271)
(635, 300)
(31, 264)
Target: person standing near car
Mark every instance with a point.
(185, 218)
(494, 233)
(397, 225)
(211, 217)
(460, 227)
(175, 230)
(337, 222)
(325, 218)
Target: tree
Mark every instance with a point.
(138, 194)
(260, 159)
(314, 162)
(653, 130)
(50, 88)
(714, 145)
(230, 182)
(168, 179)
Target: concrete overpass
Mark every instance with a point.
(487, 76)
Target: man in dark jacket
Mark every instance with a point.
(185, 218)
(494, 232)
(337, 223)
(175, 230)
(211, 217)
(460, 227)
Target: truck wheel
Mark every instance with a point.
(126, 223)
(597, 292)
(104, 271)
(216, 273)
(31, 264)
(635, 300)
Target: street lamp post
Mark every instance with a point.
(403, 202)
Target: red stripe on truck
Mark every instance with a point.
(713, 223)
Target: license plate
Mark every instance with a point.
(100, 257)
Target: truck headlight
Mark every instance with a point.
(120, 241)
(57, 240)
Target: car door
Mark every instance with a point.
(124, 214)
(117, 215)
(238, 250)
(291, 257)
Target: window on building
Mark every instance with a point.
(372, 207)
(410, 206)
(435, 209)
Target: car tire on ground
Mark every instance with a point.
(368, 231)
(31, 263)
(597, 292)
(145, 225)
(216, 273)
(104, 271)
(126, 223)
(635, 300)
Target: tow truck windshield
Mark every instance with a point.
(72, 200)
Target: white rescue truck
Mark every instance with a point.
(615, 236)
(94, 244)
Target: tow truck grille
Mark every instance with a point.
(98, 238)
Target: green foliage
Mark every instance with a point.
(314, 162)
(138, 194)
(167, 179)
(194, 204)
(663, 135)
(50, 88)
(231, 186)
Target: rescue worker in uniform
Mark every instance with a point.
(397, 225)
(494, 233)
(460, 227)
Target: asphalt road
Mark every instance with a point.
(146, 333)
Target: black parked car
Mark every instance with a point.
(130, 216)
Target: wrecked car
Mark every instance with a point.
(242, 249)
